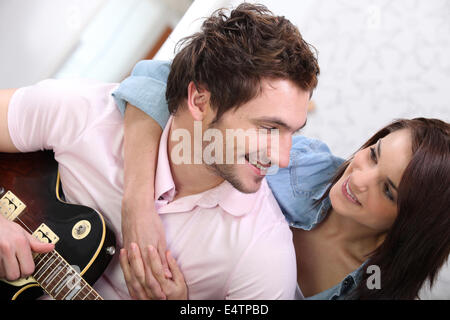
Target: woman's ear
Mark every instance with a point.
(198, 101)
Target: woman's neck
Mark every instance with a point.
(355, 239)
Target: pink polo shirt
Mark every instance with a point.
(229, 245)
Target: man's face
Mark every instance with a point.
(280, 110)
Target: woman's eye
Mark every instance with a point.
(388, 192)
(373, 155)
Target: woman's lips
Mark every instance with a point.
(348, 192)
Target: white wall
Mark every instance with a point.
(100, 39)
(379, 59)
(37, 36)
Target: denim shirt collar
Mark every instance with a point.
(342, 290)
(319, 213)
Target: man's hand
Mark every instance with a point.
(16, 247)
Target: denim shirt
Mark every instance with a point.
(310, 169)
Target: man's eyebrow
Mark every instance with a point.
(280, 123)
(379, 155)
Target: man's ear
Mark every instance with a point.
(198, 101)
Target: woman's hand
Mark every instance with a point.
(133, 264)
(141, 224)
(141, 227)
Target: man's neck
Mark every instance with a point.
(189, 178)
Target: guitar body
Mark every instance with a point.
(81, 234)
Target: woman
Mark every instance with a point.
(383, 211)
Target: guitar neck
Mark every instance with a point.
(60, 280)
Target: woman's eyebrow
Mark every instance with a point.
(379, 155)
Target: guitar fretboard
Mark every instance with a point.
(60, 280)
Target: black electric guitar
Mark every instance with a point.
(31, 195)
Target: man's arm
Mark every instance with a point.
(6, 144)
(16, 244)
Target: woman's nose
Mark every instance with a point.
(363, 175)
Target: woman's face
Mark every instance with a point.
(367, 191)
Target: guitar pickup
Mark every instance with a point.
(11, 206)
(45, 234)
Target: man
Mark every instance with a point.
(250, 70)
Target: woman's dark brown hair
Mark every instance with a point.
(232, 54)
(418, 243)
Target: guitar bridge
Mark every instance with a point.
(11, 206)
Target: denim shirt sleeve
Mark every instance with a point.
(305, 180)
(145, 88)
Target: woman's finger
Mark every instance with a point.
(144, 275)
(136, 263)
(134, 288)
(162, 255)
(176, 272)
(156, 265)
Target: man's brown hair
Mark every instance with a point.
(232, 54)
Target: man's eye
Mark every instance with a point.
(268, 128)
(373, 155)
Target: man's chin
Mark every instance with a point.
(246, 187)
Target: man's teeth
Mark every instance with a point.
(350, 193)
(260, 167)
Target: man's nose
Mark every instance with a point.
(282, 151)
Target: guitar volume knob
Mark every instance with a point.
(111, 250)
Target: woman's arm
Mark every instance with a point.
(141, 98)
(140, 222)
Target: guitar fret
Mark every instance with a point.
(47, 264)
(40, 257)
(87, 294)
(74, 291)
(76, 294)
(60, 280)
(63, 283)
(73, 288)
(52, 274)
